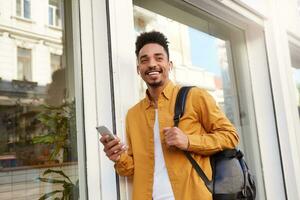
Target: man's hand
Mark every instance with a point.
(175, 137)
(113, 148)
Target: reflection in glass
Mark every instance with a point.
(56, 62)
(19, 7)
(24, 64)
(23, 8)
(54, 18)
(27, 8)
(51, 15)
(38, 139)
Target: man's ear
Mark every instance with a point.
(138, 70)
(170, 65)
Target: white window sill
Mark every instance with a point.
(57, 28)
(23, 19)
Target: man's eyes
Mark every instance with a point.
(144, 60)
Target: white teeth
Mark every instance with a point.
(153, 73)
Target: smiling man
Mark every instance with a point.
(153, 155)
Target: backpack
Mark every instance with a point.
(231, 178)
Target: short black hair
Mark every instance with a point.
(151, 37)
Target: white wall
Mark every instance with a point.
(290, 16)
(7, 57)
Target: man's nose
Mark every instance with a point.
(152, 62)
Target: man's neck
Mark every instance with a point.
(154, 93)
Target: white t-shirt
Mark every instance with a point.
(162, 189)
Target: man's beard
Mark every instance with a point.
(155, 84)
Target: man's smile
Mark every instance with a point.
(153, 72)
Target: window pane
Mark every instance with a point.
(56, 12)
(50, 15)
(24, 64)
(38, 139)
(57, 17)
(27, 9)
(19, 7)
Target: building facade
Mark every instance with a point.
(68, 66)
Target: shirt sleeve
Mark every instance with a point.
(217, 132)
(125, 165)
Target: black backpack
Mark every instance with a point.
(231, 178)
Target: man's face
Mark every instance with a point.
(154, 65)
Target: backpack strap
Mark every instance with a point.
(179, 111)
(180, 104)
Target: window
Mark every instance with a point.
(23, 8)
(56, 62)
(39, 155)
(24, 64)
(54, 18)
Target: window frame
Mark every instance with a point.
(22, 9)
(28, 76)
(98, 108)
(56, 18)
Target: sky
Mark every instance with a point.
(204, 51)
(205, 54)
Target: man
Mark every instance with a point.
(154, 154)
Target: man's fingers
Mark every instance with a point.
(115, 149)
(170, 130)
(111, 143)
(171, 142)
(166, 130)
(175, 137)
(115, 156)
(103, 139)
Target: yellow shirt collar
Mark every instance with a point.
(166, 93)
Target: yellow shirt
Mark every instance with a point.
(208, 131)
